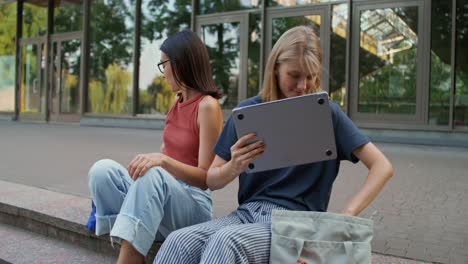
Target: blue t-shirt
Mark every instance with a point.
(305, 187)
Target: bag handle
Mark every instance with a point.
(349, 252)
(299, 247)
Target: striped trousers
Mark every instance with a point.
(244, 236)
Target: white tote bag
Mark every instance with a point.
(319, 238)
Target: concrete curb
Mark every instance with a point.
(61, 229)
(56, 215)
(54, 227)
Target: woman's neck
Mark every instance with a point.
(188, 94)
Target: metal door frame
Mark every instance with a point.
(42, 114)
(58, 115)
(242, 18)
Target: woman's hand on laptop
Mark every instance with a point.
(243, 152)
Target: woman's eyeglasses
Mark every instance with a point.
(161, 66)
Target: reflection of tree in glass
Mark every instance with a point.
(210, 6)
(117, 82)
(164, 18)
(461, 89)
(7, 56)
(224, 55)
(29, 79)
(111, 44)
(95, 97)
(111, 37)
(34, 20)
(70, 60)
(158, 96)
(8, 29)
(281, 25)
(253, 71)
(68, 17)
(392, 87)
(112, 99)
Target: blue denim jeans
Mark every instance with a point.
(147, 209)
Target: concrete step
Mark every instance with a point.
(55, 215)
(21, 246)
(50, 226)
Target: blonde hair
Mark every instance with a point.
(299, 44)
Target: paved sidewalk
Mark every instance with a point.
(421, 214)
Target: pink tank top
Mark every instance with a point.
(181, 135)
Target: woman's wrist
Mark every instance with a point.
(164, 161)
(223, 174)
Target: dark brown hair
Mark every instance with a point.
(190, 62)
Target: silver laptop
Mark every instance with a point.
(296, 130)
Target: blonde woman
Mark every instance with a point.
(244, 236)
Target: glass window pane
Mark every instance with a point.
(253, 71)
(34, 18)
(461, 88)
(388, 61)
(111, 50)
(223, 44)
(7, 57)
(439, 105)
(282, 24)
(210, 6)
(337, 82)
(158, 22)
(32, 77)
(70, 55)
(297, 2)
(68, 16)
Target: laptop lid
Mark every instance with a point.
(296, 130)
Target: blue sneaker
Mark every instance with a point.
(91, 224)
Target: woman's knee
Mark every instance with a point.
(223, 237)
(155, 177)
(100, 173)
(179, 237)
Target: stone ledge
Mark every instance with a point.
(54, 215)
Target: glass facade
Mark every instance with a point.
(110, 59)
(223, 44)
(439, 104)
(388, 60)
(461, 87)
(34, 18)
(32, 79)
(66, 76)
(396, 69)
(7, 56)
(337, 71)
(297, 2)
(255, 35)
(218, 6)
(68, 16)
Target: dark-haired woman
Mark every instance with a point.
(160, 192)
